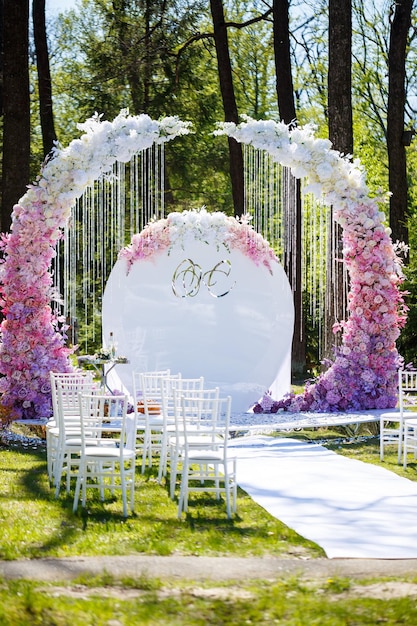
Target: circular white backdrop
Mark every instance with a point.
(234, 328)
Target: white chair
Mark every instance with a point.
(408, 404)
(208, 466)
(197, 414)
(53, 435)
(167, 386)
(393, 424)
(410, 440)
(52, 430)
(109, 464)
(69, 428)
(198, 405)
(148, 407)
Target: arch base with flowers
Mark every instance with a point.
(363, 374)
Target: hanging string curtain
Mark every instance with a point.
(103, 221)
(270, 196)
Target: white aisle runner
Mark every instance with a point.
(351, 509)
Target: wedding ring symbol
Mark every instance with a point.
(188, 277)
(213, 278)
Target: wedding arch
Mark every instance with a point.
(362, 375)
(33, 336)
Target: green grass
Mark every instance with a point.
(35, 524)
(290, 602)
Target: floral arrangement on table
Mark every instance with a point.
(214, 229)
(364, 372)
(33, 337)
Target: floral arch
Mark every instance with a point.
(33, 338)
(363, 374)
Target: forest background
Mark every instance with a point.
(347, 66)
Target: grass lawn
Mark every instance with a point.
(34, 524)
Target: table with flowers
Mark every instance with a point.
(103, 362)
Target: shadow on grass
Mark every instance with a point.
(47, 526)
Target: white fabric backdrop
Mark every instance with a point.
(240, 342)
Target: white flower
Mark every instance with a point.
(324, 171)
(299, 171)
(368, 223)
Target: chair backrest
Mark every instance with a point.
(68, 412)
(57, 377)
(196, 409)
(208, 414)
(181, 385)
(407, 389)
(186, 385)
(94, 409)
(137, 391)
(150, 401)
(223, 418)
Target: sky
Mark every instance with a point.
(56, 6)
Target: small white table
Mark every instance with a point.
(102, 366)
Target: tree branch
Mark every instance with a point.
(259, 18)
(200, 36)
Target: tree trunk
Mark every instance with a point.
(44, 76)
(340, 75)
(397, 166)
(341, 136)
(147, 63)
(286, 106)
(16, 128)
(229, 102)
(284, 84)
(1, 55)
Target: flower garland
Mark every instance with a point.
(214, 229)
(33, 338)
(363, 374)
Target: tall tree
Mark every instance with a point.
(127, 52)
(44, 76)
(339, 78)
(341, 135)
(397, 165)
(16, 106)
(1, 54)
(282, 53)
(287, 112)
(229, 102)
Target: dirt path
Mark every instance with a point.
(204, 568)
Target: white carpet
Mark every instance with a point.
(351, 509)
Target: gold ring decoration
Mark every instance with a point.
(209, 278)
(188, 276)
(186, 279)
